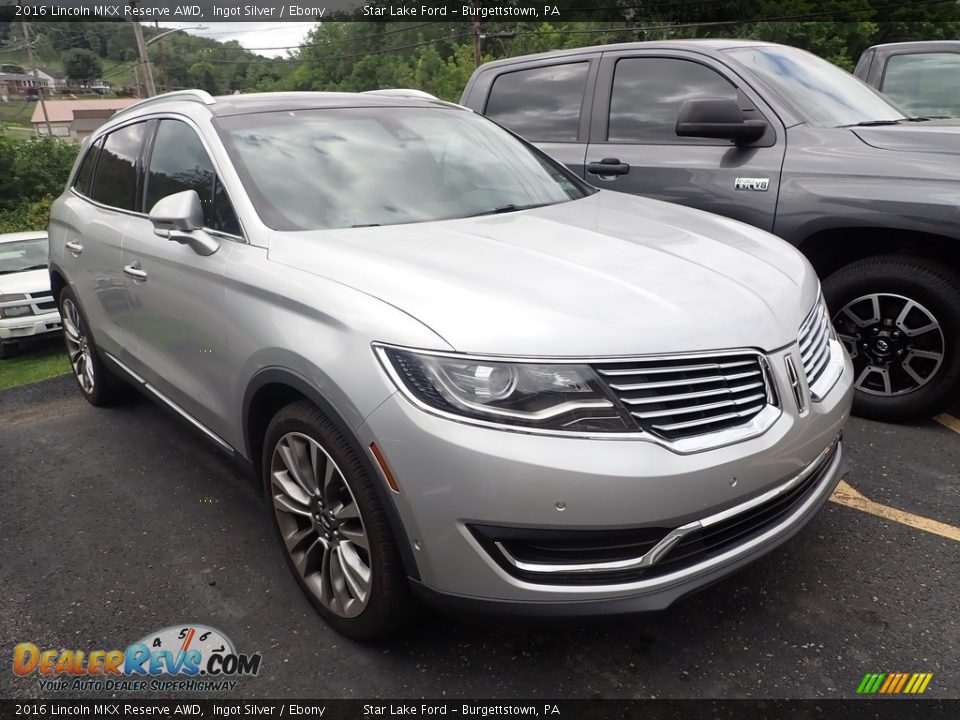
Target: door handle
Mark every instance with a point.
(75, 248)
(608, 166)
(135, 271)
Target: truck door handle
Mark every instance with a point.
(135, 271)
(608, 166)
(75, 248)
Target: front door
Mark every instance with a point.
(634, 147)
(178, 296)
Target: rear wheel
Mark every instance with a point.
(332, 527)
(899, 318)
(97, 384)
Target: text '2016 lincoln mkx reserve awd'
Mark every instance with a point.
(462, 373)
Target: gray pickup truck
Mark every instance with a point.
(780, 139)
(923, 78)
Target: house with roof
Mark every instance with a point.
(76, 118)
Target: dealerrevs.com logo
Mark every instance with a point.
(177, 658)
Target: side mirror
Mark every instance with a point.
(717, 118)
(179, 217)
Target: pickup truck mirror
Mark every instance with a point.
(717, 118)
(179, 217)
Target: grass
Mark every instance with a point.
(37, 362)
(18, 132)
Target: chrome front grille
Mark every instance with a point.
(814, 339)
(43, 301)
(680, 397)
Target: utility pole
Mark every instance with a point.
(163, 61)
(33, 67)
(144, 59)
(476, 43)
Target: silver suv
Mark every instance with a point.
(461, 372)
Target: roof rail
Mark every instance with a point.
(402, 92)
(201, 96)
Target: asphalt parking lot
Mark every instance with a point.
(117, 522)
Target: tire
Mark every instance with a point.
(97, 384)
(911, 372)
(322, 536)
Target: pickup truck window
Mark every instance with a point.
(541, 104)
(816, 90)
(924, 83)
(647, 94)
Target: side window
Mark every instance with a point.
(924, 83)
(115, 183)
(81, 182)
(648, 92)
(541, 103)
(180, 162)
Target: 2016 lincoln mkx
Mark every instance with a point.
(462, 373)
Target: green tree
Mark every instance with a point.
(203, 76)
(80, 64)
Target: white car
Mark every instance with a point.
(27, 309)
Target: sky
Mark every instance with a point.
(252, 35)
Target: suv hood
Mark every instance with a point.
(936, 136)
(28, 281)
(610, 274)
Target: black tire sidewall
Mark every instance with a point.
(938, 290)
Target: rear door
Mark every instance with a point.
(102, 204)
(633, 134)
(545, 102)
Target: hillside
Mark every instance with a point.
(179, 60)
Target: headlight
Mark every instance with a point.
(15, 310)
(531, 395)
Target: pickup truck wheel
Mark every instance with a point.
(899, 318)
(97, 384)
(331, 526)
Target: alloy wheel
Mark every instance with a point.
(320, 523)
(896, 344)
(78, 347)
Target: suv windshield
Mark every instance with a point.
(22, 255)
(357, 167)
(816, 90)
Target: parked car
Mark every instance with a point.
(456, 366)
(923, 78)
(787, 142)
(27, 309)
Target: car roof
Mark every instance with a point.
(226, 105)
(17, 236)
(924, 45)
(694, 45)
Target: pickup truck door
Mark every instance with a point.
(634, 147)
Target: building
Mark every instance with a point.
(76, 118)
(20, 84)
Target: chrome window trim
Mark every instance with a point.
(755, 427)
(731, 555)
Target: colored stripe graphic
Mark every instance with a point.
(894, 683)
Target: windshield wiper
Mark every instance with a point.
(871, 123)
(508, 208)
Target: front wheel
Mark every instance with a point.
(899, 318)
(332, 527)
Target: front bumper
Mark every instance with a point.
(29, 326)
(454, 477)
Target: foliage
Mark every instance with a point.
(38, 171)
(81, 65)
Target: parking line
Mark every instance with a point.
(948, 421)
(847, 496)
